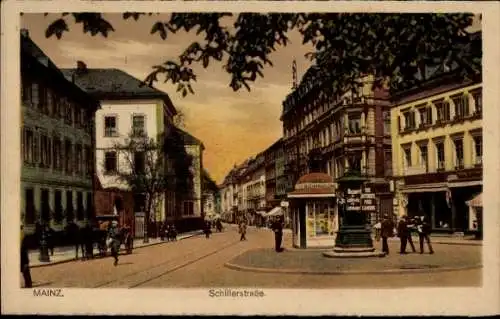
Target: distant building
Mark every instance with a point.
(57, 145)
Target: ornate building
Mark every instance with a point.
(351, 131)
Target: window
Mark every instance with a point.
(79, 206)
(425, 116)
(139, 162)
(440, 155)
(459, 153)
(188, 208)
(26, 91)
(407, 156)
(478, 101)
(76, 115)
(424, 156)
(28, 146)
(138, 123)
(79, 159)
(57, 153)
(42, 103)
(354, 123)
(69, 206)
(68, 118)
(409, 117)
(387, 163)
(44, 204)
(354, 162)
(36, 148)
(110, 162)
(461, 106)
(387, 123)
(88, 161)
(110, 126)
(29, 202)
(68, 157)
(478, 149)
(443, 111)
(46, 151)
(50, 102)
(58, 209)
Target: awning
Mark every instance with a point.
(465, 184)
(276, 211)
(477, 201)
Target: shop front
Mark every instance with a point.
(314, 211)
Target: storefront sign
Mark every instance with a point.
(353, 191)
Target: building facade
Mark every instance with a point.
(437, 151)
(351, 132)
(57, 148)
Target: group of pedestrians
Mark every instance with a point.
(405, 229)
(276, 226)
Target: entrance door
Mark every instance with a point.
(385, 207)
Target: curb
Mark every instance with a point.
(122, 249)
(347, 272)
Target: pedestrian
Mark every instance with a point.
(424, 231)
(403, 234)
(377, 227)
(208, 229)
(243, 230)
(50, 239)
(25, 261)
(114, 241)
(387, 230)
(277, 227)
(411, 230)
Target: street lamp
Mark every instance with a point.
(44, 249)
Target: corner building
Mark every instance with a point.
(437, 151)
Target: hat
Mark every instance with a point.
(114, 223)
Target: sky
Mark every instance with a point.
(232, 125)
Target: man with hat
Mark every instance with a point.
(387, 230)
(115, 243)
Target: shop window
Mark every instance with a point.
(478, 150)
(354, 123)
(110, 127)
(58, 208)
(45, 205)
(29, 208)
(459, 153)
(70, 210)
(461, 106)
(138, 125)
(79, 206)
(440, 156)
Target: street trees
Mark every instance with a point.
(391, 46)
(142, 169)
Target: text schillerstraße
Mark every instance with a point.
(236, 293)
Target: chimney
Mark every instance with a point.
(81, 67)
(25, 33)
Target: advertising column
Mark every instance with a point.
(368, 205)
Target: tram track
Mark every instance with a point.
(172, 264)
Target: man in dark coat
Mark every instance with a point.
(277, 227)
(25, 261)
(411, 224)
(424, 231)
(87, 238)
(403, 234)
(387, 230)
(208, 229)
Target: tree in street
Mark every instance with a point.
(392, 47)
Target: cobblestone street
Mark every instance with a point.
(201, 262)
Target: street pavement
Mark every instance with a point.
(201, 262)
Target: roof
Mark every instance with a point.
(315, 178)
(114, 84)
(188, 139)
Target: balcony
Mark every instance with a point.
(415, 170)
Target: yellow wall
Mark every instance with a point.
(434, 132)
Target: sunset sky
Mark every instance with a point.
(232, 125)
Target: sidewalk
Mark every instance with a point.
(447, 240)
(67, 253)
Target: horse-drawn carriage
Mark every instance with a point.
(101, 234)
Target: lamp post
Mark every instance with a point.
(44, 249)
